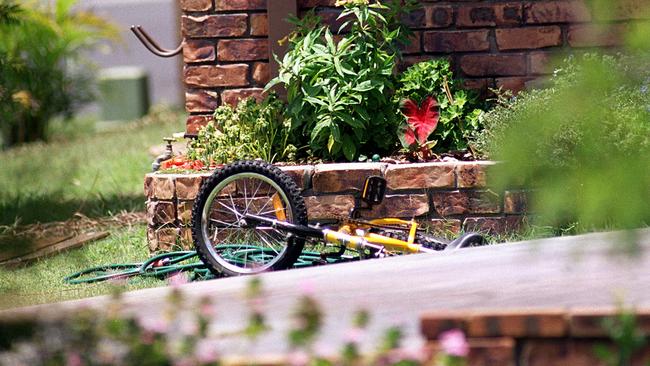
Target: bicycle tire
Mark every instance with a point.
(232, 180)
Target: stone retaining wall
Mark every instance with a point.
(549, 337)
(447, 197)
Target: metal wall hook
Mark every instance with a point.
(152, 45)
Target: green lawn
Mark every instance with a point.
(97, 174)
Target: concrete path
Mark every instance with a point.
(568, 272)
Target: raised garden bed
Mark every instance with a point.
(447, 197)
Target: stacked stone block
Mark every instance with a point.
(447, 197)
(491, 44)
(539, 337)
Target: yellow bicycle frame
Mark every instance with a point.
(354, 235)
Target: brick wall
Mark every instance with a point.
(491, 43)
(446, 197)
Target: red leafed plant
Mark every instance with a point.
(421, 121)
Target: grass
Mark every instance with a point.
(80, 170)
(95, 174)
(42, 282)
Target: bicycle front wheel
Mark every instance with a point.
(225, 240)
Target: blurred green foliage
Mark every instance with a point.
(43, 71)
(582, 144)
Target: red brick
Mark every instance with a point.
(592, 35)
(557, 12)
(478, 85)
(439, 16)
(540, 63)
(493, 225)
(345, 176)
(315, 3)
(241, 4)
(201, 101)
(328, 207)
(194, 123)
(432, 324)
(493, 65)
(528, 38)
(402, 206)
(196, 5)
(259, 25)
(216, 76)
(198, 51)
(330, 18)
(515, 202)
(420, 176)
(222, 25)
(487, 351)
(589, 322)
(518, 323)
(514, 84)
(415, 19)
(561, 351)
(471, 175)
(234, 96)
(261, 73)
(415, 45)
(489, 15)
(243, 49)
(456, 41)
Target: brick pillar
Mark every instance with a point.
(226, 54)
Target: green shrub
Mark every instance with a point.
(340, 94)
(459, 110)
(583, 143)
(250, 131)
(44, 73)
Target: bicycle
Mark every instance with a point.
(249, 217)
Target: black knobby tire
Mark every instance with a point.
(223, 257)
(467, 240)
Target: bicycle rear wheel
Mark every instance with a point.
(223, 238)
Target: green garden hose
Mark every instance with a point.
(166, 264)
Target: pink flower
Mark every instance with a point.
(74, 359)
(354, 335)
(454, 343)
(153, 324)
(298, 358)
(178, 279)
(206, 351)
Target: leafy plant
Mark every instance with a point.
(459, 109)
(340, 92)
(43, 68)
(421, 121)
(250, 131)
(583, 143)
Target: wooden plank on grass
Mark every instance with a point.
(27, 245)
(71, 243)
